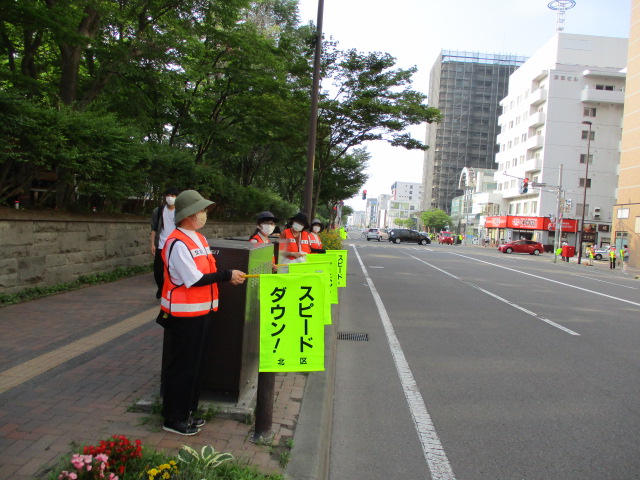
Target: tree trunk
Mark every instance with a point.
(70, 56)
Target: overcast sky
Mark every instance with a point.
(415, 31)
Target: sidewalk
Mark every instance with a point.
(72, 367)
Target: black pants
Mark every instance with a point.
(612, 262)
(158, 269)
(186, 342)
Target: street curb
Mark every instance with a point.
(311, 442)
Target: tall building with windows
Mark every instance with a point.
(467, 88)
(561, 126)
(626, 220)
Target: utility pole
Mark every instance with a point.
(313, 117)
(559, 210)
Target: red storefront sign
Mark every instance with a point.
(568, 225)
(495, 222)
(529, 223)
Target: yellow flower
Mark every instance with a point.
(166, 475)
(173, 463)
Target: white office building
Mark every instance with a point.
(404, 202)
(563, 109)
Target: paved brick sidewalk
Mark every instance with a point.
(90, 397)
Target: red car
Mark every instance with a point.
(445, 237)
(522, 246)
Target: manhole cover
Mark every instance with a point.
(355, 337)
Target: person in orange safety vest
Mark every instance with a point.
(266, 223)
(294, 243)
(189, 300)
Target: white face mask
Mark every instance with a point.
(170, 200)
(297, 226)
(316, 228)
(201, 220)
(267, 229)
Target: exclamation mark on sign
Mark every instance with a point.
(276, 347)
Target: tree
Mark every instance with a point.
(435, 220)
(371, 101)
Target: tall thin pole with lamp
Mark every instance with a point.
(584, 193)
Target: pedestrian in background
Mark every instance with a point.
(625, 253)
(189, 300)
(162, 224)
(612, 257)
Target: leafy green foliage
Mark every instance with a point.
(435, 220)
(331, 239)
(203, 462)
(111, 101)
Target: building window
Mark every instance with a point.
(518, 208)
(583, 158)
(512, 208)
(588, 182)
(534, 206)
(589, 112)
(515, 162)
(579, 209)
(585, 134)
(609, 88)
(524, 137)
(526, 208)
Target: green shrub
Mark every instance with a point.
(331, 240)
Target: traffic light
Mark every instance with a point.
(364, 194)
(525, 185)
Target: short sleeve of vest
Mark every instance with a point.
(182, 267)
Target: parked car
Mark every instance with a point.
(446, 237)
(522, 246)
(602, 253)
(398, 235)
(378, 234)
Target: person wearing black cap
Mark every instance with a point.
(189, 299)
(162, 224)
(295, 243)
(266, 222)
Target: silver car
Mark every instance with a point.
(378, 234)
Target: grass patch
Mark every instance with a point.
(33, 293)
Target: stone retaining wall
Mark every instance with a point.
(44, 250)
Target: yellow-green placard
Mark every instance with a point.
(321, 268)
(292, 322)
(331, 263)
(341, 265)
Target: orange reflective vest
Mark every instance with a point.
(178, 300)
(314, 240)
(293, 244)
(258, 238)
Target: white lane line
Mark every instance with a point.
(497, 297)
(603, 281)
(431, 447)
(550, 280)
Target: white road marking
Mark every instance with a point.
(434, 453)
(603, 281)
(550, 280)
(497, 297)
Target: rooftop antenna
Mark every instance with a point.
(561, 6)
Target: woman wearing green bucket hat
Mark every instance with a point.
(189, 299)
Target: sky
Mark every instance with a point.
(415, 31)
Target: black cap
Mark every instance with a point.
(265, 216)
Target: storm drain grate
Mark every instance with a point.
(355, 337)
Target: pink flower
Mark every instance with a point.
(73, 476)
